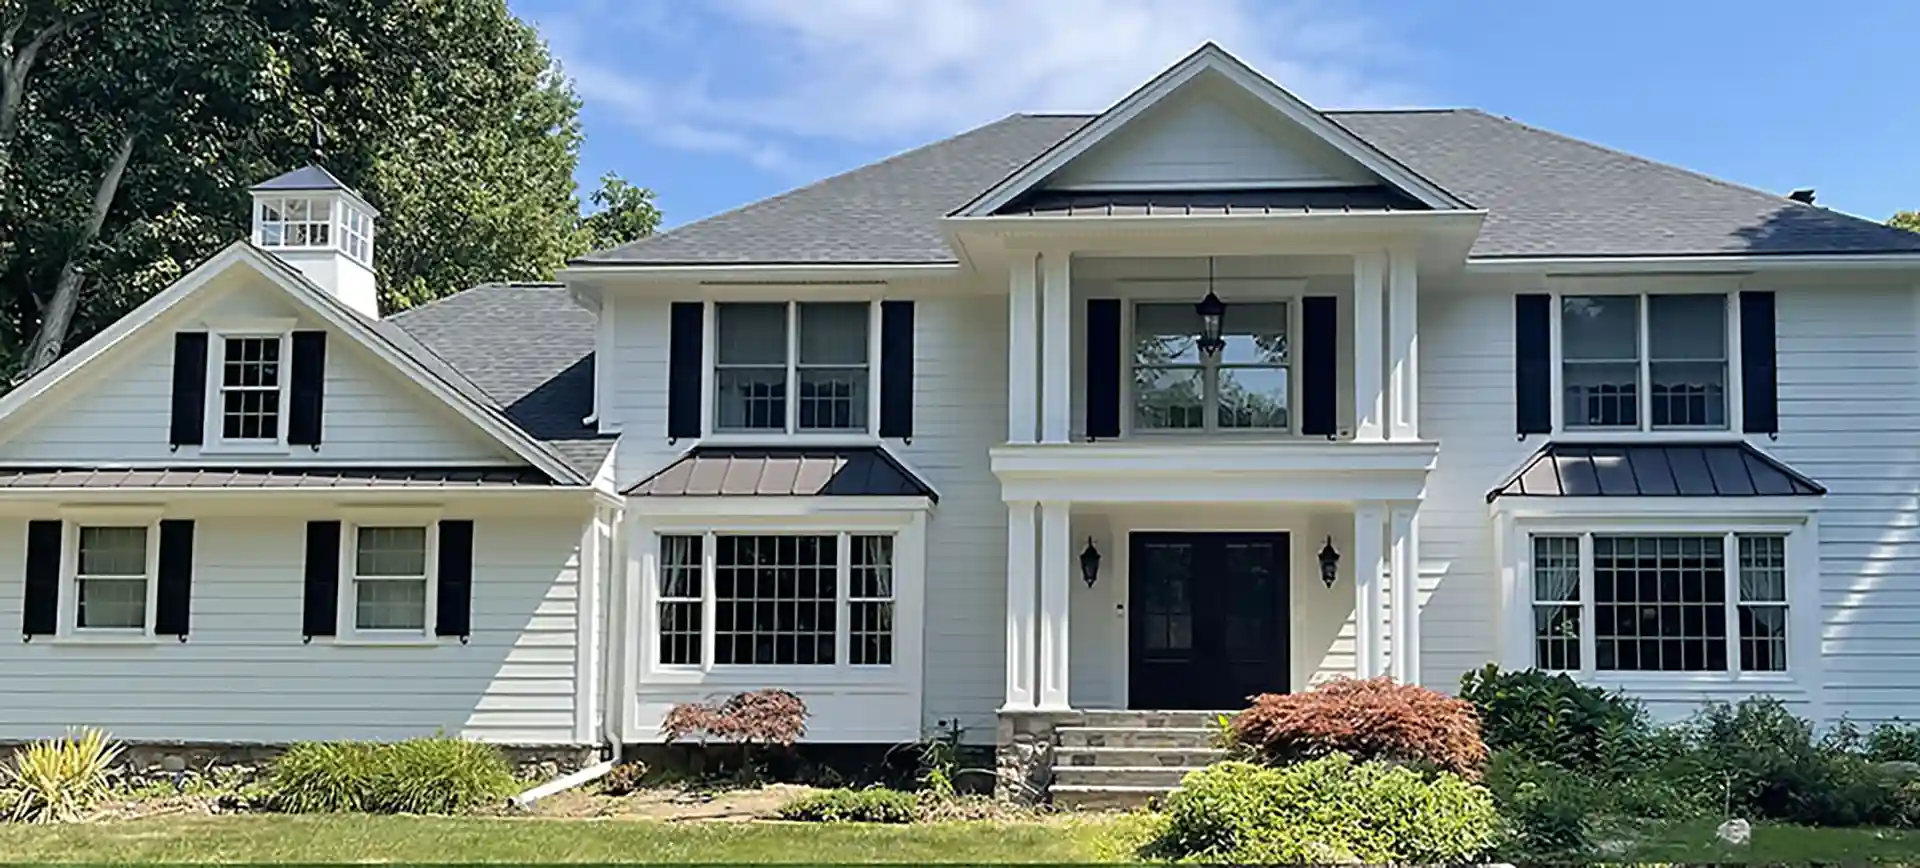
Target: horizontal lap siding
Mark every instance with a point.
(245, 676)
(371, 413)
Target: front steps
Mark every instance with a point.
(1124, 759)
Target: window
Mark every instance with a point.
(1246, 386)
(358, 234)
(1659, 603)
(250, 381)
(816, 351)
(390, 579)
(1634, 362)
(296, 223)
(111, 577)
(777, 600)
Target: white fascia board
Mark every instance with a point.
(1134, 458)
(1219, 488)
(1706, 263)
(617, 276)
(1670, 509)
(1339, 221)
(1209, 58)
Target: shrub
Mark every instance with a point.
(1551, 717)
(1326, 810)
(624, 778)
(1894, 742)
(753, 722)
(56, 780)
(422, 776)
(853, 806)
(1548, 809)
(1371, 719)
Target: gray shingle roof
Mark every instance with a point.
(1548, 195)
(273, 477)
(528, 348)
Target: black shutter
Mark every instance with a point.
(175, 592)
(455, 615)
(1533, 364)
(1103, 368)
(321, 615)
(40, 616)
(896, 369)
(1759, 368)
(683, 369)
(189, 388)
(308, 388)
(1319, 365)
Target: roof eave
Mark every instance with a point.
(746, 272)
(1694, 263)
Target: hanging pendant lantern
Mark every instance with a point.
(1213, 315)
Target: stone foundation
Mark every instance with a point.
(1023, 753)
(152, 761)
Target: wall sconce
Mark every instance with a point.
(1213, 315)
(1329, 563)
(1090, 563)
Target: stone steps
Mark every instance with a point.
(1166, 757)
(1118, 760)
(1106, 798)
(1136, 736)
(1163, 777)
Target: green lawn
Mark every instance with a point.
(1695, 843)
(355, 838)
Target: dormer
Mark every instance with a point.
(320, 226)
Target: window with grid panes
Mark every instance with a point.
(110, 578)
(870, 602)
(814, 354)
(680, 600)
(390, 578)
(1660, 602)
(776, 599)
(250, 373)
(1676, 378)
(296, 223)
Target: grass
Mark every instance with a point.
(1775, 843)
(360, 838)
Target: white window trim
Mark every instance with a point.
(1642, 288)
(217, 337)
(335, 226)
(1515, 540)
(908, 528)
(346, 609)
(1212, 429)
(709, 378)
(68, 629)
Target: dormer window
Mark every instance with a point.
(251, 381)
(295, 222)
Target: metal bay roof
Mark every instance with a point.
(1728, 469)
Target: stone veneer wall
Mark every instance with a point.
(1023, 753)
(145, 762)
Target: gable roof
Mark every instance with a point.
(527, 348)
(1208, 60)
(1545, 194)
(421, 367)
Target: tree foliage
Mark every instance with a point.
(1908, 220)
(449, 116)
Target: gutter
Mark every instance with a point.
(561, 784)
(1691, 264)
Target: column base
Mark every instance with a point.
(1023, 753)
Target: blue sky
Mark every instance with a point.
(718, 103)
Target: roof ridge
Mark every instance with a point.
(800, 189)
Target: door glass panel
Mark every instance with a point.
(1166, 575)
(1249, 621)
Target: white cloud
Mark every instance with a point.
(899, 72)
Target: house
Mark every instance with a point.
(1046, 425)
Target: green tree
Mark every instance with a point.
(1908, 220)
(449, 116)
(626, 213)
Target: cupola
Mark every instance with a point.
(319, 225)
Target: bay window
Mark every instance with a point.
(1245, 386)
(1645, 362)
(1639, 602)
(788, 599)
(792, 367)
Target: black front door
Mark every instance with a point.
(1208, 619)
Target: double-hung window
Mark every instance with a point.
(390, 584)
(1644, 362)
(816, 599)
(792, 367)
(251, 382)
(1246, 386)
(112, 577)
(1621, 603)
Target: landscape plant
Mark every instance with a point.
(751, 724)
(871, 805)
(1375, 718)
(58, 780)
(436, 775)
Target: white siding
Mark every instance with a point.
(244, 674)
(121, 412)
(1201, 138)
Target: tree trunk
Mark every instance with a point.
(57, 317)
(15, 64)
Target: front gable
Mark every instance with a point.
(113, 402)
(1210, 123)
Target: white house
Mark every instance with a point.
(1057, 421)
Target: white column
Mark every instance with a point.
(1021, 588)
(1056, 365)
(1403, 346)
(1403, 530)
(1055, 560)
(1369, 524)
(1369, 303)
(1023, 349)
